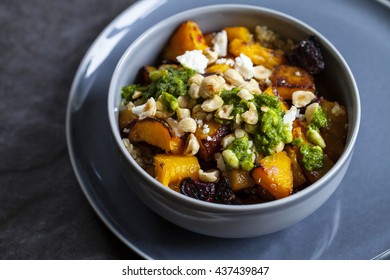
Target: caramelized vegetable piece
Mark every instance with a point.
(156, 132)
(298, 175)
(219, 192)
(217, 69)
(335, 134)
(169, 170)
(238, 32)
(274, 173)
(259, 55)
(126, 116)
(209, 137)
(187, 37)
(240, 179)
(307, 54)
(299, 131)
(287, 79)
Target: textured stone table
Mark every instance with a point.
(43, 212)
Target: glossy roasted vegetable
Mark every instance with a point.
(335, 133)
(240, 179)
(126, 116)
(287, 79)
(307, 55)
(217, 68)
(238, 32)
(259, 55)
(274, 173)
(156, 132)
(170, 170)
(209, 136)
(298, 175)
(219, 192)
(187, 37)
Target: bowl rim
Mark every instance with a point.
(181, 199)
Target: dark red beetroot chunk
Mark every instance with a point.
(307, 55)
(220, 192)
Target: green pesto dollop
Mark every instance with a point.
(239, 154)
(312, 157)
(270, 130)
(171, 80)
(319, 119)
(169, 101)
(230, 97)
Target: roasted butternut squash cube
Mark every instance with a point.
(217, 69)
(126, 116)
(274, 173)
(287, 79)
(298, 175)
(156, 132)
(171, 169)
(240, 179)
(238, 32)
(209, 136)
(259, 55)
(186, 38)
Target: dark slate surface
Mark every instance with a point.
(43, 212)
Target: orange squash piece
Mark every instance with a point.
(298, 175)
(186, 38)
(156, 132)
(210, 139)
(259, 55)
(274, 173)
(126, 116)
(238, 32)
(287, 79)
(171, 169)
(240, 179)
(217, 69)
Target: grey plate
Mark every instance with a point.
(353, 224)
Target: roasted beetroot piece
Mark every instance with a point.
(224, 194)
(198, 190)
(219, 192)
(307, 55)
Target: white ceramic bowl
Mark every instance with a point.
(234, 221)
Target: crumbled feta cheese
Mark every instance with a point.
(199, 122)
(194, 60)
(290, 116)
(227, 61)
(244, 66)
(220, 42)
(205, 129)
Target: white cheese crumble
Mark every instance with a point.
(220, 42)
(290, 116)
(244, 66)
(194, 60)
(227, 61)
(205, 129)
